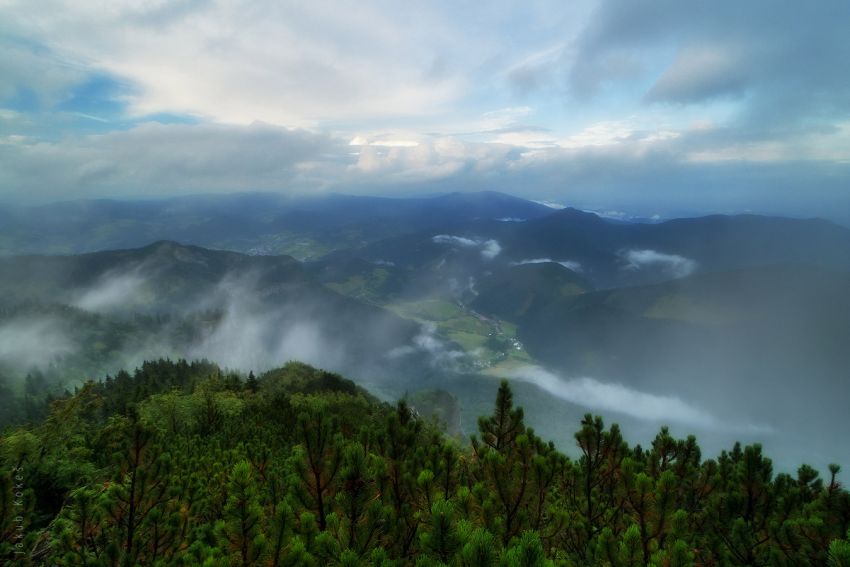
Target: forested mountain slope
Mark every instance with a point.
(184, 464)
(73, 317)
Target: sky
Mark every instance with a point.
(640, 105)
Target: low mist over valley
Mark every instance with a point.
(731, 328)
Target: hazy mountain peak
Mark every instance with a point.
(574, 215)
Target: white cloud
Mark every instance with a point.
(383, 142)
(569, 264)
(13, 140)
(432, 158)
(440, 355)
(617, 215)
(36, 342)
(238, 62)
(675, 265)
(551, 205)
(456, 240)
(503, 117)
(618, 398)
(111, 292)
(526, 138)
(155, 159)
(489, 248)
(167, 159)
(250, 335)
(599, 134)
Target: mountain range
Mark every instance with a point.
(739, 319)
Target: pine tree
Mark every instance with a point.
(526, 552)
(398, 441)
(741, 513)
(317, 459)
(243, 517)
(252, 383)
(9, 403)
(140, 487)
(440, 539)
(79, 529)
(35, 393)
(591, 486)
(280, 531)
(500, 430)
(362, 517)
(512, 462)
(839, 552)
(479, 549)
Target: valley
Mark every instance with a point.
(452, 299)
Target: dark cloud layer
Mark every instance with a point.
(788, 59)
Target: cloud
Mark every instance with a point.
(25, 69)
(790, 72)
(251, 335)
(433, 158)
(36, 342)
(504, 117)
(600, 134)
(459, 290)
(246, 338)
(525, 137)
(238, 62)
(157, 159)
(696, 171)
(440, 354)
(602, 396)
(113, 291)
(569, 264)
(700, 73)
(533, 72)
(456, 240)
(675, 265)
(616, 215)
(551, 205)
(489, 248)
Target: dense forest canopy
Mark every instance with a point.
(183, 463)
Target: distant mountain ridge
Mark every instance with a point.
(247, 311)
(173, 271)
(264, 223)
(400, 230)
